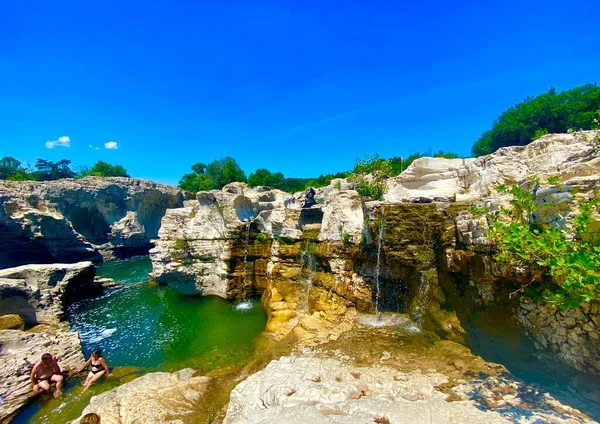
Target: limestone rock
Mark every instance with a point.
(322, 390)
(153, 398)
(21, 350)
(474, 178)
(66, 220)
(40, 293)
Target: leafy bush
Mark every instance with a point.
(369, 176)
(261, 237)
(571, 258)
(181, 244)
(553, 112)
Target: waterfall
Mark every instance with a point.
(308, 266)
(246, 239)
(378, 266)
(245, 303)
(421, 300)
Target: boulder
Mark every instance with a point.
(41, 293)
(158, 397)
(20, 351)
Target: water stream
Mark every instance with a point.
(143, 328)
(245, 303)
(378, 266)
(308, 266)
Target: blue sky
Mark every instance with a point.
(302, 87)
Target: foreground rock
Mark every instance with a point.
(323, 390)
(153, 398)
(41, 293)
(20, 350)
(74, 220)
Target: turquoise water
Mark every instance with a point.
(142, 325)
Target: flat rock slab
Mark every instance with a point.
(316, 390)
(158, 397)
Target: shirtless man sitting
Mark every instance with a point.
(44, 373)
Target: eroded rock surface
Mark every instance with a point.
(325, 390)
(153, 398)
(41, 293)
(74, 220)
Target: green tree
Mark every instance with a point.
(11, 169)
(215, 175)
(104, 169)
(47, 170)
(264, 177)
(552, 111)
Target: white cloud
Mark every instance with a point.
(94, 147)
(62, 141)
(112, 145)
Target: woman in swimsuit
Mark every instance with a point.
(98, 367)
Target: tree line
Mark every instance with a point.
(46, 170)
(551, 112)
(226, 170)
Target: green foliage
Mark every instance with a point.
(346, 238)
(264, 177)
(540, 132)
(11, 169)
(181, 244)
(571, 258)
(47, 170)
(103, 169)
(553, 112)
(476, 211)
(261, 237)
(369, 176)
(215, 175)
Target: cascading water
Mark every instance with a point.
(378, 266)
(245, 303)
(308, 266)
(421, 300)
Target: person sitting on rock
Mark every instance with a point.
(46, 372)
(98, 367)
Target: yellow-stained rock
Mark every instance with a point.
(11, 322)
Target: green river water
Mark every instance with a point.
(142, 327)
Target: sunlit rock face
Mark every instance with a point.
(331, 252)
(73, 220)
(41, 293)
(158, 397)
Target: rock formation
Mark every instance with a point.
(324, 258)
(41, 293)
(74, 220)
(324, 390)
(159, 397)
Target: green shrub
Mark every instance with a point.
(261, 237)
(571, 258)
(181, 244)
